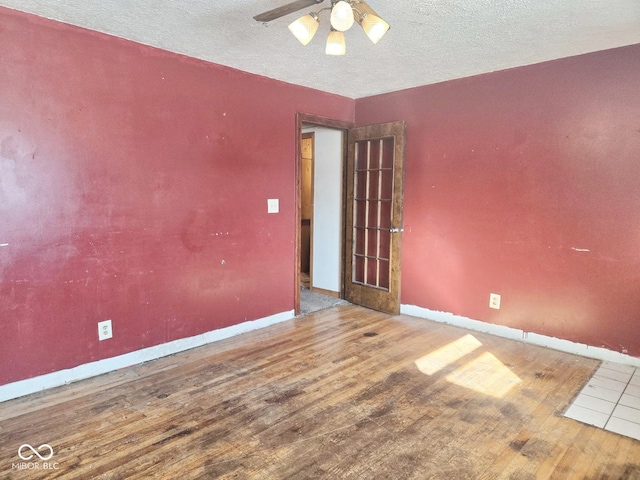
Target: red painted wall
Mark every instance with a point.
(133, 187)
(526, 183)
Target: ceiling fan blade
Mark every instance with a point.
(285, 10)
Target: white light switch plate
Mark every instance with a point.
(273, 205)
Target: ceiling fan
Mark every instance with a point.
(344, 13)
(285, 10)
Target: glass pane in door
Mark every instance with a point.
(373, 187)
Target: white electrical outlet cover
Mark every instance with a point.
(104, 330)
(494, 301)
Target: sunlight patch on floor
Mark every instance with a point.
(484, 373)
(443, 357)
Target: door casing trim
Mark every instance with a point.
(302, 118)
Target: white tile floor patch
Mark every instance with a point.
(610, 400)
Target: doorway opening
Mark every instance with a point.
(320, 198)
(351, 210)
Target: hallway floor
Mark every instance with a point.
(313, 301)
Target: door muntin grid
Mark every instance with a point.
(372, 210)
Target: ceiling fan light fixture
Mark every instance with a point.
(374, 27)
(335, 43)
(305, 28)
(342, 16)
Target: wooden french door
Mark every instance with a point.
(375, 187)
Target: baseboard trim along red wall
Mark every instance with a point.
(106, 365)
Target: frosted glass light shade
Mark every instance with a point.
(374, 27)
(335, 43)
(304, 28)
(342, 16)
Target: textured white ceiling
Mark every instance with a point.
(429, 41)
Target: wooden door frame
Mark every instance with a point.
(302, 118)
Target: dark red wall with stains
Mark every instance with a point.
(133, 187)
(526, 183)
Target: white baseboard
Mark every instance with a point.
(87, 370)
(581, 349)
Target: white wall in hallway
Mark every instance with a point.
(327, 210)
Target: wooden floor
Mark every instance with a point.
(345, 393)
